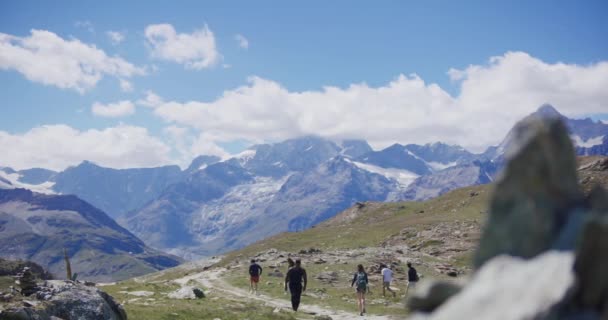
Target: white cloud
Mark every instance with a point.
(152, 100)
(125, 85)
(492, 98)
(113, 110)
(86, 25)
(116, 37)
(59, 146)
(68, 64)
(196, 50)
(242, 41)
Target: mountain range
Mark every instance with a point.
(216, 205)
(40, 227)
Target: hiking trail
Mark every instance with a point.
(212, 281)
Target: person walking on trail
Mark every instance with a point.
(387, 277)
(255, 271)
(290, 265)
(294, 279)
(362, 282)
(412, 277)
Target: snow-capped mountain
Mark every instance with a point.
(399, 157)
(216, 205)
(589, 137)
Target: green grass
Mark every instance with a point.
(377, 223)
(374, 224)
(338, 295)
(163, 308)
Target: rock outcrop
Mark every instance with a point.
(542, 254)
(65, 300)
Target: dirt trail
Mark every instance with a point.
(212, 279)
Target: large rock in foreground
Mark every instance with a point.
(543, 253)
(66, 300)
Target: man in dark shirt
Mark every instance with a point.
(412, 277)
(254, 276)
(294, 278)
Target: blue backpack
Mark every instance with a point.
(361, 280)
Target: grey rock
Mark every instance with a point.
(198, 292)
(323, 317)
(69, 301)
(431, 295)
(511, 288)
(539, 185)
(327, 276)
(590, 266)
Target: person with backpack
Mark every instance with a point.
(295, 277)
(387, 277)
(360, 278)
(412, 277)
(255, 271)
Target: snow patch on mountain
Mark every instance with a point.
(587, 143)
(11, 181)
(244, 156)
(243, 202)
(403, 177)
(437, 166)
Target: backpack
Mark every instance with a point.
(361, 280)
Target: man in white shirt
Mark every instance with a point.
(387, 277)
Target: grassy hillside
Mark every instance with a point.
(438, 236)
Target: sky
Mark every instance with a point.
(148, 83)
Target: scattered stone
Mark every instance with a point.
(186, 292)
(27, 282)
(198, 293)
(327, 276)
(310, 251)
(431, 295)
(323, 317)
(276, 273)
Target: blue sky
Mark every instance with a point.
(295, 50)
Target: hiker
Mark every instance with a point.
(295, 277)
(255, 271)
(362, 286)
(412, 277)
(387, 277)
(290, 265)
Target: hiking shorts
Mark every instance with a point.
(361, 289)
(255, 279)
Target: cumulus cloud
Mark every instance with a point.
(116, 37)
(126, 86)
(492, 97)
(113, 110)
(241, 41)
(152, 100)
(195, 50)
(59, 146)
(46, 58)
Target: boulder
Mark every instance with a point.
(187, 292)
(431, 295)
(535, 195)
(68, 300)
(502, 289)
